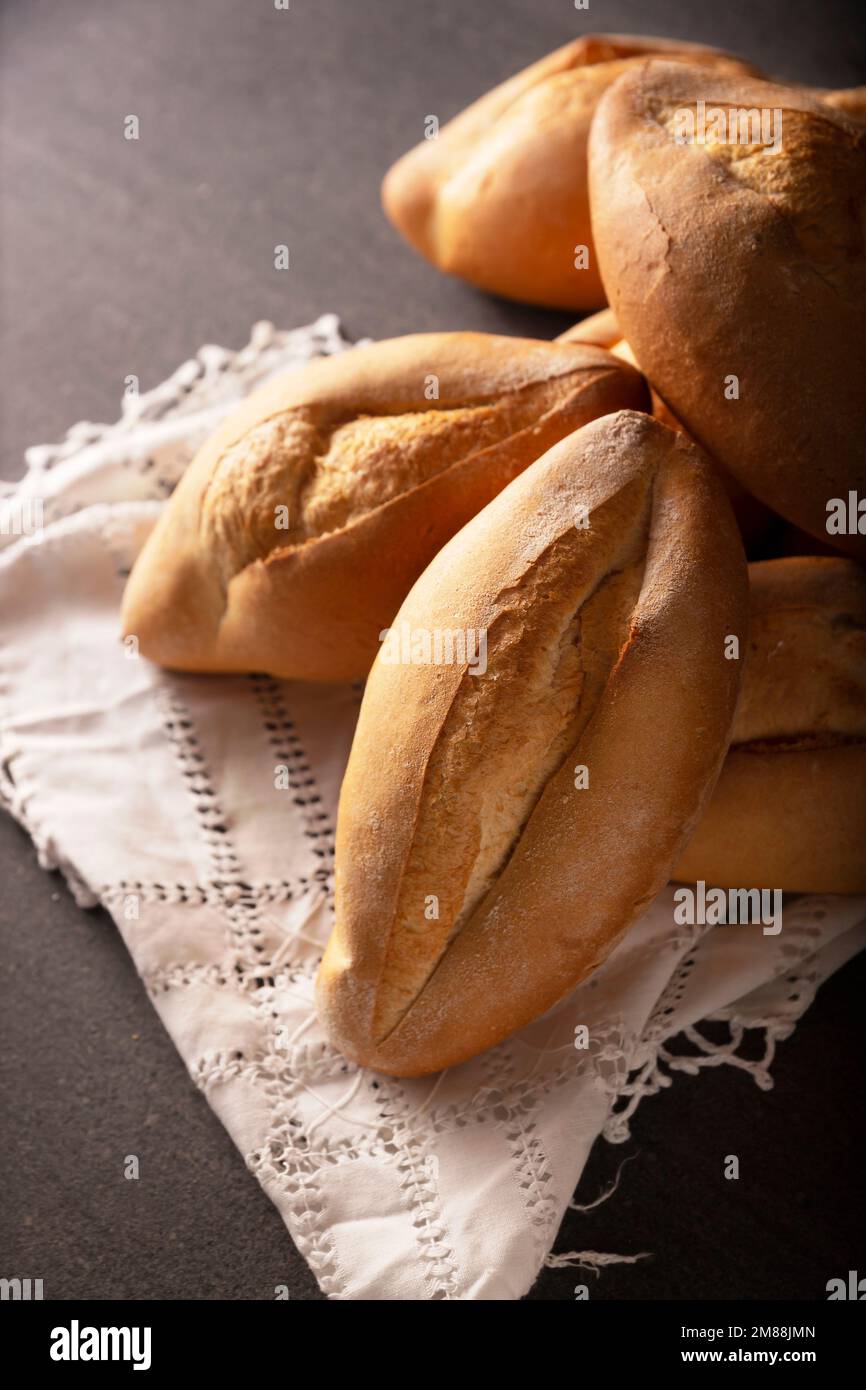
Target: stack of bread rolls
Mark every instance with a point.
(500, 195)
(577, 687)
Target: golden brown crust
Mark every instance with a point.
(603, 329)
(789, 810)
(805, 672)
(789, 820)
(727, 260)
(500, 196)
(850, 100)
(375, 471)
(606, 648)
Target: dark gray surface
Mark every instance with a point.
(259, 127)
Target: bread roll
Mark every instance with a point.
(373, 459)
(731, 267)
(789, 810)
(476, 882)
(499, 197)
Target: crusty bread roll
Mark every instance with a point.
(602, 329)
(789, 810)
(724, 260)
(375, 457)
(476, 882)
(500, 197)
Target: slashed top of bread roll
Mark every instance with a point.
(500, 197)
(303, 521)
(606, 580)
(737, 271)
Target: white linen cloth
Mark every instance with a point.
(156, 795)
